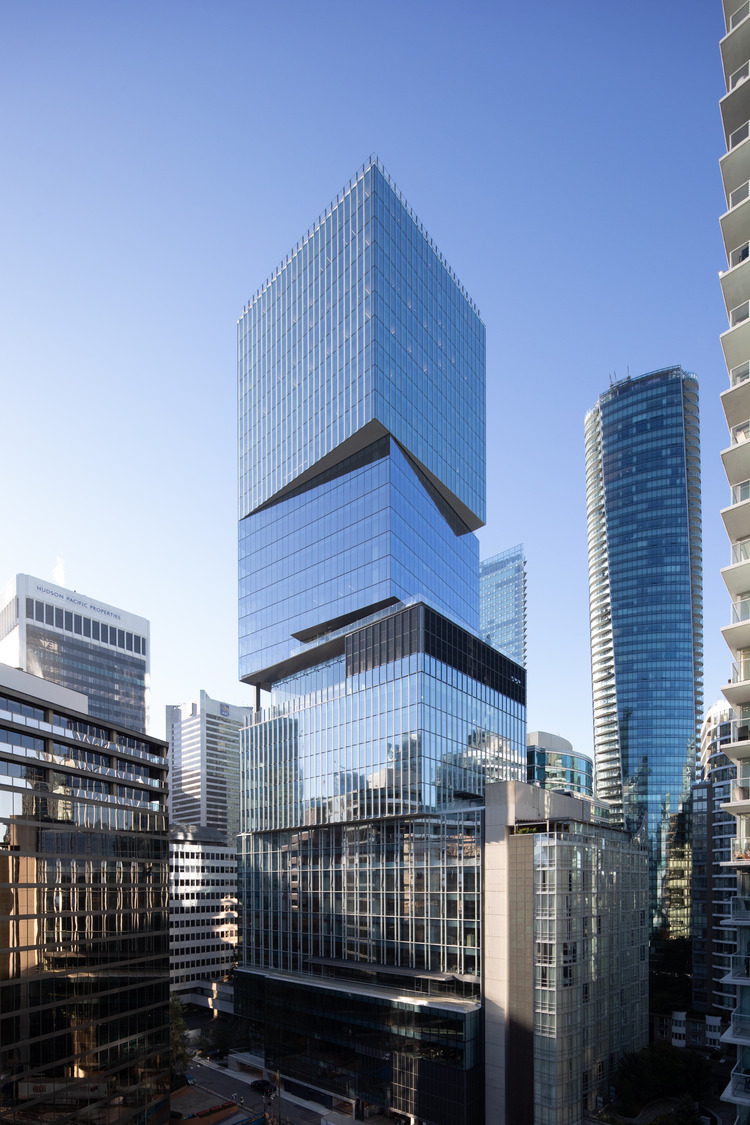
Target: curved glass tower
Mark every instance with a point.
(644, 533)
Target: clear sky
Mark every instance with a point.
(159, 159)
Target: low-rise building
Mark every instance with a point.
(566, 954)
(202, 916)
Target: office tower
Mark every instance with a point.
(204, 752)
(714, 888)
(735, 285)
(84, 960)
(560, 1016)
(202, 916)
(644, 535)
(502, 602)
(81, 643)
(362, 477)
(551, 763)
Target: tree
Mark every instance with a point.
(178, 1045)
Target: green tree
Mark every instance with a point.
(178, 1046)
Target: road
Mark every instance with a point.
(226, 1085)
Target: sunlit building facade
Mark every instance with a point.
(362, 480)
(552, 763)
(80, 643)
(502, 602)
(84, 960)
(204, 766)
(645, 595)
(735, 285)
(560, 1015)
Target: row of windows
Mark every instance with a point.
(84, 626)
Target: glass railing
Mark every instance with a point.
(740, 966)
(739, 135)
(741, 373)
(741, 849)
(740, 909)
(738, 16)
(740, 1080)
(739, 75)
(740, 550)
(740, 790)
(741, 672)
(739, 195)
(741, 611)
(740, 313)
(741, 492)
(740, 1028)
(739, 254)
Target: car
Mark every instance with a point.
(263, 1086)
(190, 1079)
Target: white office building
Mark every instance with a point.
(204, 744)
(202, 916)
(81, 643)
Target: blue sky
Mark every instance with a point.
(160, 159)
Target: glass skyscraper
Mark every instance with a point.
(644, 534)
(502, 602)
(362, 480)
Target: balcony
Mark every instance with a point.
(736, 398)
(739, 75)
(735, 281)
(738, 803)
(740, 912)
(741, 14)
(737, 520)
(738, 1031)
(737, 635)
(735, 45)
(736, 340)
(739, 135)
(740, 850)
(737, 457)
(738, 1089)
(739, 969)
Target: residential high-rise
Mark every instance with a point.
(81, 643)
(715, 884)
(84, 969)
(204, 774)
(362, 478)
(644, 535)
(502, 602)
(735, 285)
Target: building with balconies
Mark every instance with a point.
(735, 287)
(714, 882)
(645, 604)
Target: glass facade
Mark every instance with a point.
(502, 602)
(80, 643)
(362, 463)
(643, 494)
(362, 325)
(114, 681)
(84, 1020)
(554, 770)
(588, 1010)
